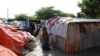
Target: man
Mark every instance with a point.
(45, 42)
(32, 27)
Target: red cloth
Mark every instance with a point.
(13, 39)
(6, 52)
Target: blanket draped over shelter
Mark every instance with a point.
(12, 41)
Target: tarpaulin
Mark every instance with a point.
(6, 52)
(13, 39)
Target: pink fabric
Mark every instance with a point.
(52, 21)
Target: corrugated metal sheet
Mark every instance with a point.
(69, 20)
(80, 36)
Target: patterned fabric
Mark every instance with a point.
(53, 20)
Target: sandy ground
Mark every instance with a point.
(39, 52)
(56, 52)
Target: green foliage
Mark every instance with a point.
(48, 12)
(91, 8)
(70, 15)
(11, 19)
(32, 18)
(21, 17)
(43, 13)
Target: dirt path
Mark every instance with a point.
(55, 52)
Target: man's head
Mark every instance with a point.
(44, 28)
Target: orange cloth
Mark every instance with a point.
(6, 52)
(13, 39)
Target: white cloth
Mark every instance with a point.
(59, 29)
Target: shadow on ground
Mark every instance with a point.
(57, 52)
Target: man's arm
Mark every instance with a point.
(39, 34)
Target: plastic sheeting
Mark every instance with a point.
(6, 52)
(13, 39)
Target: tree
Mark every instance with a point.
(48, 12)
(60, 13)
(32, 18)
(70, 15)
(91, 8)
(21, 17)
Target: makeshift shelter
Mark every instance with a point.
(73, 34)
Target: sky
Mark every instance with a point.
(29, 7)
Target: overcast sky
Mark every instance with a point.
(30, 6)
